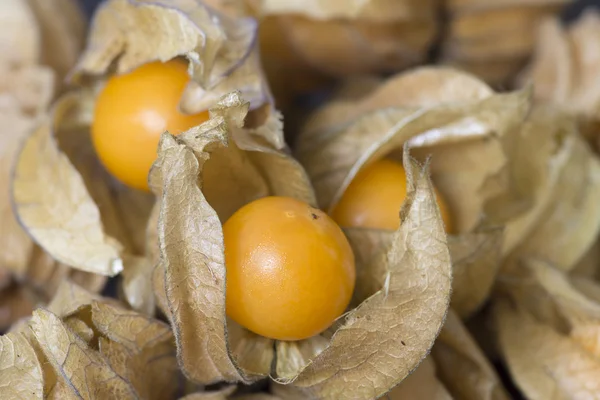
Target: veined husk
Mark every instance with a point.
(39, 40)
(350, 37)
(563, 69)
(85, 218)
(220, 48)
(509, 25)
(87, 347)
(439, 112)
(548, 325)
(331, 365)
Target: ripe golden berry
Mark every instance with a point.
(290, 269)
(374, 197)
(131, 113)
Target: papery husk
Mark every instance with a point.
(191, 243)
(461, 130)
(222, 394)
(139, 348)
(549, 332)
(221, 48)
(553, 175)
(52, 199)
(20, 370)
(19, 46)
(341, 38)
(563, 69)
(422, 384)
(462, 366)
(15, 302)
(510, 25)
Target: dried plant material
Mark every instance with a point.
(511, 26)
(421, 384)
(69, 298)
(222, 394)
(341, 38)
(15, 302)
(137, 284)
(544, 363)
(554, 188)
(80, 328)
(20, 370)
(138, 348)
(62, 28)
(293, 357)
(159, 289)
(418, 269)
(55, 206)
(464, 139)
(221, 49)
(18, 46)
(255, 353)
(462, 366)
(85, 370)
(134, 208)
(476, 260)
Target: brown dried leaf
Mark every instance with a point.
(255, 353)
(138, 348)
(15, 302)
(544, 363)
(222, 394)
(80, 328)
(54, 205)
(18, 46)
(369, 354)
(421, 384)
(476, 261)
(85, 370)
(159, 289)
(20, 370)
(293, 357)
(462, 366)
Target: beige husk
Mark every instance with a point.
(509, 25)
(345, 38)
(191, 244)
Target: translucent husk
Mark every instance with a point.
(210, 348)
(509, 25)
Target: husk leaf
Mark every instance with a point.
(15, 302)
(462, 366)
(69, 299)
(393, 351)
(19, 46)
(464, 139)
(422, 384)
(138, 348)
(20, 370)
(85, 370)
(220, 48)
(52, 199)
(222, 394)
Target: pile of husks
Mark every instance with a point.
(108, 292)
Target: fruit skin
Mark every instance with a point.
(290, 269)
(131, 113)
(374, 197)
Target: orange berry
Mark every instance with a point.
(290, 269)
(374, 197)
(131, 113)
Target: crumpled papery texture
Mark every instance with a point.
(510, 25)
(220, 48)
(345, 38)
(548, 330)
(563, 69)
(330, 366)
(450, 116)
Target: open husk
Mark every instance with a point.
(510, 25)
(328, 366)
(441, 113)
